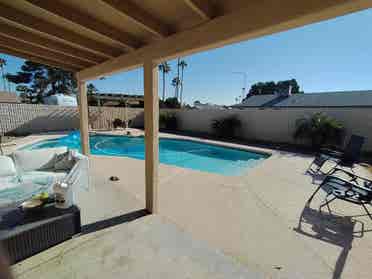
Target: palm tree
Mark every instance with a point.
(178, 78)
(176, 83)
(2, 64)
(183, 65)
(165, 69)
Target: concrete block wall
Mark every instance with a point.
(23, 119)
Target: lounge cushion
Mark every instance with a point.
(40, 159)
(12, 196)
(42, 177)
(7, 167)
(8, 182)
(64, 161)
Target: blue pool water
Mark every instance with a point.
(181, 153)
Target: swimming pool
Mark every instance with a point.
(182, 153)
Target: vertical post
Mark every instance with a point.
(83, 112)
(151, 134)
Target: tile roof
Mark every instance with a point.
(324, 99)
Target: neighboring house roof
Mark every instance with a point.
(8, 97)
(199, 105)
(118, 96)
(325, 99)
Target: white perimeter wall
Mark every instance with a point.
(271, 125)
(278, 125)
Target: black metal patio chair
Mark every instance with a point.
(346, 158)
(354, 189)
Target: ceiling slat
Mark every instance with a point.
(35, 39)
(140, 17)
(202, 7)
(246, 23)
(37, 59)
(57, 8)
(41, 52)
(62, 34)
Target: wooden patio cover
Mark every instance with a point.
(95, 38)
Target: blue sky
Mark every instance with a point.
(334, 55)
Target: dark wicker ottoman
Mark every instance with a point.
(25, 234)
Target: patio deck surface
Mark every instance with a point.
(211, 226)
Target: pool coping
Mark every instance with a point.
(29, 140)
(241, 147)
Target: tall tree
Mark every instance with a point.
(183, 65)
(42, 80)
(93, 100)
(2, 65)
(165, 69)
(177, 79)
(176, 83)
(25, 94)
(270, 87)
(91, 89)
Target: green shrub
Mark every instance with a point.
(170, 103)
(226, 127)
(320, 130)
(117, 123)
(168, 120)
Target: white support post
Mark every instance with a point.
(151, 134)
(84, 120)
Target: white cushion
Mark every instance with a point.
(37, 159)
(8, 182)
(42, 177)
(7, 167)
(64, 161)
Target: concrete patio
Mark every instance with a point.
(251, 219)
(225, 227)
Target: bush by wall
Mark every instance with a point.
(226, 127)
(320, 129)
(168, 120)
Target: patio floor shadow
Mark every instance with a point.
(334, 229)
(114, 221)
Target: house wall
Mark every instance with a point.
(23, 119)
(277, 125)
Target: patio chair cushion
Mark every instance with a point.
(41, 159)
(42, 177)
(7, 167)
(8, 182)
(64, 161)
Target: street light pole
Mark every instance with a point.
(244, 74)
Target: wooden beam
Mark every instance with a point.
(37, 59)
(93, 24)
(37, 40)
(67, 36)
(244, 24)
(84, 119)
(140, 17)
(202, 7)
(151, 134)
(43, 53)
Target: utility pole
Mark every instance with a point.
(244, 74)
